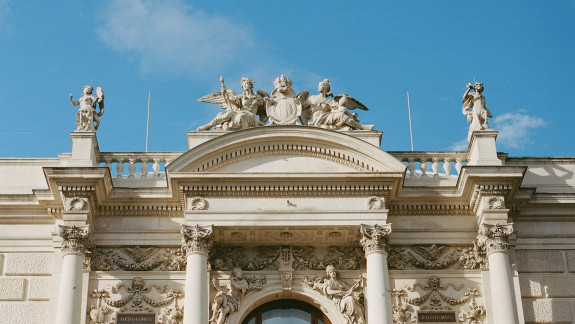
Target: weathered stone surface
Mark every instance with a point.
(39, 288)
(546, 311)
(24, 313)
(12, 289)
(1, 263)
(28, 264)
(530, 286)
(560, 286)
(540, 261)
(570, 260)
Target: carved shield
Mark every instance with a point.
(285, 111)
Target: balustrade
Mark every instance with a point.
(138, 163)
(419, 163)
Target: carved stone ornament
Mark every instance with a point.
(138, 259)
(298, 258)
(435, 257)
(76, 204)
(87, 118)
(376, 203)
(494, 238)
(495, 203)
(348, 300)
(228, 298)
(197, 203)
(136, 298)
(283, 108)
(434, 296)
(375, 238)
(197, 239)
(77, 240)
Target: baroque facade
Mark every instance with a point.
(286, 201)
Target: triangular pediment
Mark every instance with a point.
(286, 149)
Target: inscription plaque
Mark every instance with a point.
(140, 318)
(436, 317)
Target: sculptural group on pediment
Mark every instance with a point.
(283, 107)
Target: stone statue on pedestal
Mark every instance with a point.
(87, 118)
(475, 109)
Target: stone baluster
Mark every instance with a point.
(494, 240)
(156, 168)
(435, 167)
(76, 242)
(131, 167)
(458, 165)
(411, 167)
(375, 242)
(196, 242)
(423, 167)
(144, 168)
(120, 167)
(447, 167)
(109, 164)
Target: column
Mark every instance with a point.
(494, 239)
(196, 242)
(76, 242)
(375, 242)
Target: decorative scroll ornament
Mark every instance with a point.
(138, 259)
(138, 298)
(342, 258)
(434, 298)
(87, 118)
(348, 300)
(228, 298)
(434, 257)
(76, 204)
(77, 240)
(376, 203)
(226, 258)
(495, 202)
(198, 203)
(197, 239)
(494, 238)
(375, 238)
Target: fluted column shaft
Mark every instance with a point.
(375, 242)
(196, 242)
(494, 239)
(76, 241)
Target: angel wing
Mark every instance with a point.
(218, 98)
(262, 106)
(100, 94)
(351, 102)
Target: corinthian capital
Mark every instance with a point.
(494, 238)
(77, 240)
(375, 238)
(197, 239)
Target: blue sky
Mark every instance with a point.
(523, 51)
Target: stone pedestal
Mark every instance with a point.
(76, 241)
(85, 149)
(375, 242)
(197, 242)
(482, 150)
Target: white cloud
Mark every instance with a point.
(4, 10)
(514, 128)
(173, 37)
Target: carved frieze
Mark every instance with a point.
(138, 259)
(434, 257)
(494, 238)
(197, 239)
(77, 240)
(342, 258)
(137, 297)
(226, 258)
(434, 296)
(375, 238)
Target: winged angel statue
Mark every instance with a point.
(242, 110)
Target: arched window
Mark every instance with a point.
(286, 311)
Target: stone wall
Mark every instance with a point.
(547, 281)
(24, 287)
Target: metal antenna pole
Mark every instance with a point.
(148, 122)
(409, 111)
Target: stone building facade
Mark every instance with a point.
(293, 218)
